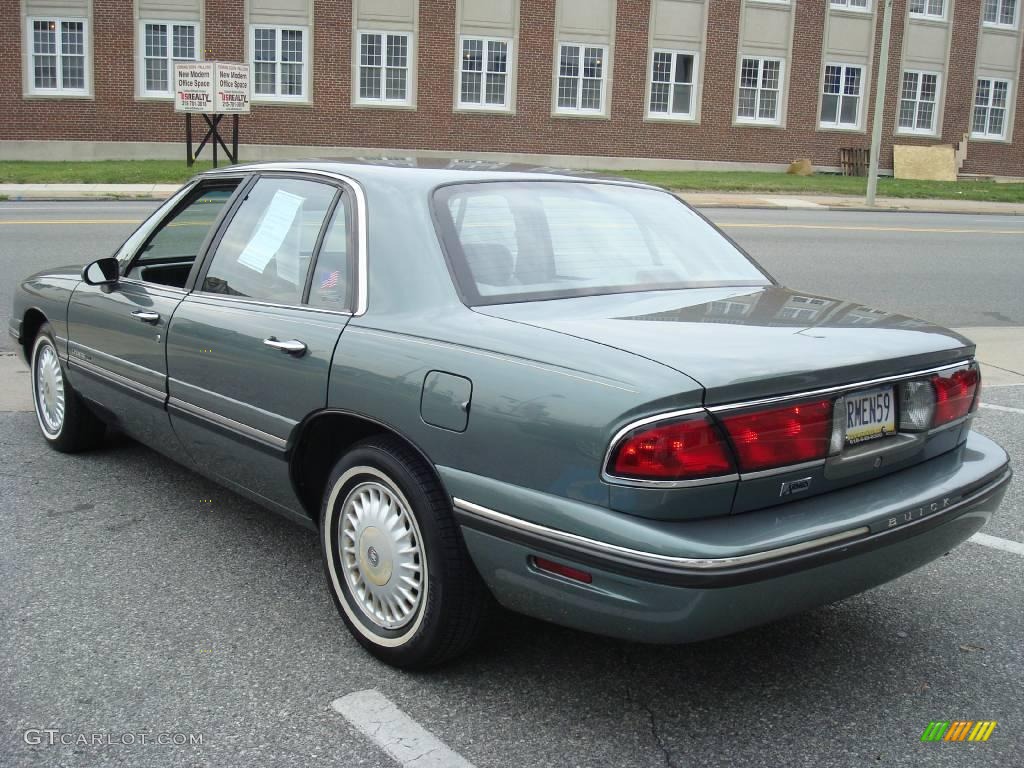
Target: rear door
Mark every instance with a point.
(117, 333)
(249, 350)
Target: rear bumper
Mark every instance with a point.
(653, 594)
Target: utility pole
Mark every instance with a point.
(876, 127)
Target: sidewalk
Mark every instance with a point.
(696, 199)
(87, 191)
(846, 203)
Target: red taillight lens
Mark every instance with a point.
(561, 569)
(954, 395)
(680, 450)
(774, 438)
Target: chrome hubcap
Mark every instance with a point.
(381, 555)
(49, 390)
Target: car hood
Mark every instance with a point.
(749, 342)
(68, 271)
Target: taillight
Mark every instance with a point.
(776, 437)
(954, 395)
(678, 450)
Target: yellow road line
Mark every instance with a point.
(855, 228)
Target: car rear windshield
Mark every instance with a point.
(531, 240)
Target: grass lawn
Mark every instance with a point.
(175, 171)
(826, 184)
(99, 172)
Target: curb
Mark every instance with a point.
(853, 208)
(7, 198)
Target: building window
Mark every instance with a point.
(990, 100)
(279, 63)
(841, 97)
(163, 43)
(581, 78)
(1000, 13)
(917, 102)
(483, 73)
(384, 67)
(672, 79)
(852, 5)
(57, 59)
(760, 86)
(928, 9)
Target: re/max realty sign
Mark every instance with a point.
(211, 87)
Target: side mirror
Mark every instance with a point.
(104, 271)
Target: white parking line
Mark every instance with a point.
(997, 543)
(395, 732)
(1006, 408)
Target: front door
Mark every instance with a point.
(117, 334)
(249, 351)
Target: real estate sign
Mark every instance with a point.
(193, 86)
(211, 87)
(232, 92)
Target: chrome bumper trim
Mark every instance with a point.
(641, 559)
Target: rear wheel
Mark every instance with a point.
(65, 421)
(396, 564)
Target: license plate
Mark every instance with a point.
(870, 413)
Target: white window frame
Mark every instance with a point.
(482, 105)
(169, 58)
(410, 63)
(998, 24)
(779, 103)
(936, 112)
(674, 52)
(277, 96)
(1006, 109)
(579, 110)
(30, 49)
(837, 125)
(926, 13)
(845, 5)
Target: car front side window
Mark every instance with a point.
(267, 248)
(170, 251)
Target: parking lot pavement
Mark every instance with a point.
(142, 599)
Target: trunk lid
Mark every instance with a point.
(750, 342)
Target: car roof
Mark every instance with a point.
(427, 172)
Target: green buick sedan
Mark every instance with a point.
(572, 396)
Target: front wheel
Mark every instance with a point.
(396, 564)
(65, 421)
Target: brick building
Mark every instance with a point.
(599, 83)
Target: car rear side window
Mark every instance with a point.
(268, 245)
(333, 274)
(524, 240)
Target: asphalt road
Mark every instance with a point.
(955, 270)
(141, 599)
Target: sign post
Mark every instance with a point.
(212, 89)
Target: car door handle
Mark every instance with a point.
(146, 317)
(293, 347)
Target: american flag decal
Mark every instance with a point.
(330, 280)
